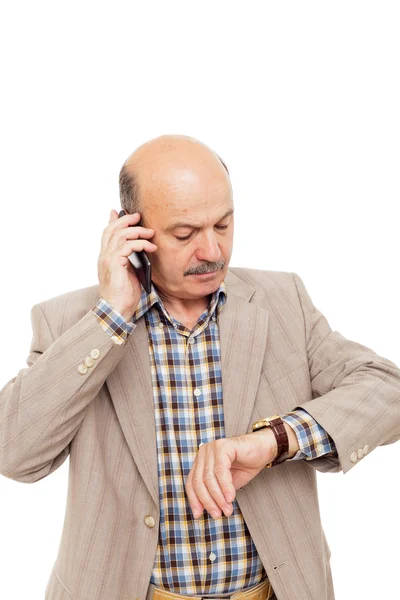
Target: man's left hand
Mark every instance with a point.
(225, 465)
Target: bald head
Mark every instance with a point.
(164, 163)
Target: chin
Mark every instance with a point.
(208, 282)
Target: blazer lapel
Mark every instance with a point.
(243, 334)
(130, 387)
(243, 331)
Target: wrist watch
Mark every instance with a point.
(282, 440)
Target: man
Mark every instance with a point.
(155, 397)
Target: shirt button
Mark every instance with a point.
(360, 453)
(191, 340)
(89, 361)
(95, 353)
(213, 318)
(197, 392)
(149, 520)
(161, 324)
(212, 556)
(365, 449)
(320, 447)
(82, 369)
(353, 457)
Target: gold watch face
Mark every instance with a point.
(264, 422)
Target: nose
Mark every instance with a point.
(208, 248)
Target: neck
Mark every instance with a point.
(184, 305)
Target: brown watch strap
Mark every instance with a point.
(282, 440)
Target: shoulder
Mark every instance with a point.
(265, 280)
(66, 309)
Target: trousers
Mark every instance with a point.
(156, 593)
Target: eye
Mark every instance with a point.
(188, 236)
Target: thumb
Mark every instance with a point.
(113, 215)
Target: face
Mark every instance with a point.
(193, 227)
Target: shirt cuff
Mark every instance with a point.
(313, 440)
(112, 322)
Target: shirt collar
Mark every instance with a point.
(146, 301)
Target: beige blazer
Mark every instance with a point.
(278, 352)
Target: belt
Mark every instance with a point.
(260, 591)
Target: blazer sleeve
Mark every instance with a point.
(355, 394)
(42, 407)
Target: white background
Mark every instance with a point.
(301, 100)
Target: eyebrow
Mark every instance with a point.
(176, 224)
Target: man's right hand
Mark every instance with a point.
(119, 284)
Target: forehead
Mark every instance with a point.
(188, 199)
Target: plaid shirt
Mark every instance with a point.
(196, 556)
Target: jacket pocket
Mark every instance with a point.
(284, 367)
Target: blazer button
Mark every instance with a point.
(360, 453)
(82, 369)
(365, 449)
(149, 520)
(353, 457)
(89, 361)
(95, 353)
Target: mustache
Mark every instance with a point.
(208, 267)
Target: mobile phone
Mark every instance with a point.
(140, 262)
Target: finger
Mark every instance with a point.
(223, 473)
(113, 216)
(195, 504)
(199, 485)
(135, 246)
(212, 479)
(120, 236)
(116, 223)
